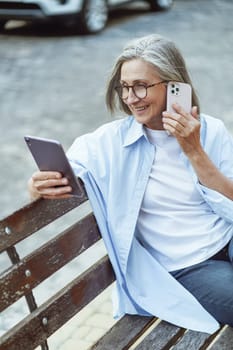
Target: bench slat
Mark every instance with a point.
(53, 314)
(192, 341)
(33, 217)
(162, 336)
(32, 270)
(124, 333)
(224, 341)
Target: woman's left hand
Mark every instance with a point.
(185, 127)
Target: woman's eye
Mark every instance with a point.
(140, 85)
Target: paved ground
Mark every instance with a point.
(52, 85)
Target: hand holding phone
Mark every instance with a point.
(50, 156)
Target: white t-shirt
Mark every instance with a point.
(175, 224)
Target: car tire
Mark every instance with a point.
(163, 5)
(2, 24)
(93, 17)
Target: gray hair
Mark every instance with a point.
(158, 51)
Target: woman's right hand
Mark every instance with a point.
(48, 184)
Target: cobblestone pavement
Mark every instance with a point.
(52, 85)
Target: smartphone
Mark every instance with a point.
(180, 93)
(49, 155)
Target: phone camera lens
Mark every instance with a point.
(172, 91)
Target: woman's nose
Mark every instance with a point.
(131, 97)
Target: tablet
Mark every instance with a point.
(49, 155)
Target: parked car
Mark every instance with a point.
(90, 16)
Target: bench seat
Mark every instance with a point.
(26, 273)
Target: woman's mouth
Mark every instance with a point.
(140, 109)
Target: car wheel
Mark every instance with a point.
(160, 4)
(93, 17)
(2, 24)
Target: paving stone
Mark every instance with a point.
(75, 344)
(102, 320)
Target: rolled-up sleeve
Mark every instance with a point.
(218, 144)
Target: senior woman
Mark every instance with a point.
(161, 187)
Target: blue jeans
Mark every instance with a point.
(211, 282)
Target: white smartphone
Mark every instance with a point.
(180, 93)
(49, 155)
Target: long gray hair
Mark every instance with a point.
(158, 51)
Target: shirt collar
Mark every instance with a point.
(134, 132)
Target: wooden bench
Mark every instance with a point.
(19, 280)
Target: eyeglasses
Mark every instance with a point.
(139, 90)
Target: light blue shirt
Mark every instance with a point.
(115, 163)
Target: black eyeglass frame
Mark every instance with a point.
(118, 89)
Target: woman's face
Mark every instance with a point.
(147, 110)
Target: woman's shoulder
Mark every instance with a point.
(111, 130)
(211, 119)
(108, 133)
(212, 124)
(214, 131)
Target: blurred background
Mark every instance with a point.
(52, 84)
(52, 81)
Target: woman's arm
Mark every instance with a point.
(186, 128)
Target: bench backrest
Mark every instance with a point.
(26, 273)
